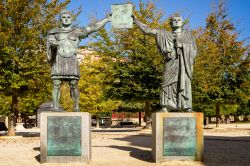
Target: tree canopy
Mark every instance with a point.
(23, 68)
(128, 71)
(219, 80)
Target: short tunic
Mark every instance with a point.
(65, 68)
(63, 56)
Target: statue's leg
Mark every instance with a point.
(74, 93)
(56, 93)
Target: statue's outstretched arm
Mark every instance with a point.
(145, 28)
(98, 25)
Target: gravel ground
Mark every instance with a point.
(222, 147)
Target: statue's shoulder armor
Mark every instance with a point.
(73, 34)
(81, 32)
(54, 31)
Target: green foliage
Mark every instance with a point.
(207, 109)
(218, 78)
(228, 109)
(5, 102)
(65, 100)
(95, 73)
(138, 67)
(131, 107)
(24, 73)
(242, 81)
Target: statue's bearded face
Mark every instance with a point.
(66, 19)
(177, 22)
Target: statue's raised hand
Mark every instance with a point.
(109, 17)
(135, 20)
(52, 41)
(133, 16)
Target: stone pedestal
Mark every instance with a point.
(65, 137)
(19, 127)
(45, 107)
(177, 136)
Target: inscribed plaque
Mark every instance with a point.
(179, 136)
(121, 16)
(64, 136)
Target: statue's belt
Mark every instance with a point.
(67, 56)
(61, 31)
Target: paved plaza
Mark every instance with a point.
(228, 146)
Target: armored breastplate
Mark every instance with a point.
(67, 44)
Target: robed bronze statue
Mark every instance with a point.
(179, 51)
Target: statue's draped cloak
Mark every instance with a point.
(178, 68)
(65, 65)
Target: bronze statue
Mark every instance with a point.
(62, 45)
(179, 50)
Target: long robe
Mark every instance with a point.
(63, 57)
(178, 68)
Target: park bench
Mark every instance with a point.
(127, 124)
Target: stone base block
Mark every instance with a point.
(65, 137)
(19, 127)
(177, 136)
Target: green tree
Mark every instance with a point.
(93, 83)
(138, 69)
(215, 69)
(23, 68)
(96, 73)
(241, 82)
(5, 103)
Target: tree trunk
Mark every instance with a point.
(11, 127)
(227, 117)
(245, 119)
(25, 121)
(97, 121)
(209, 119)
(139, 118)
(236, 118)
(217, 110)
(147, 115)
(206, 121)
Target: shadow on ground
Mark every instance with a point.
(226, 151)
(36, 148)
(144, 155)
(28, 134)
(37, 157)
(140, 140)
(218, 150)
(115, 130)
(139, 146)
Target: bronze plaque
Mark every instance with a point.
(64, 136)
(179, 136)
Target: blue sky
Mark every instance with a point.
(196, 10)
